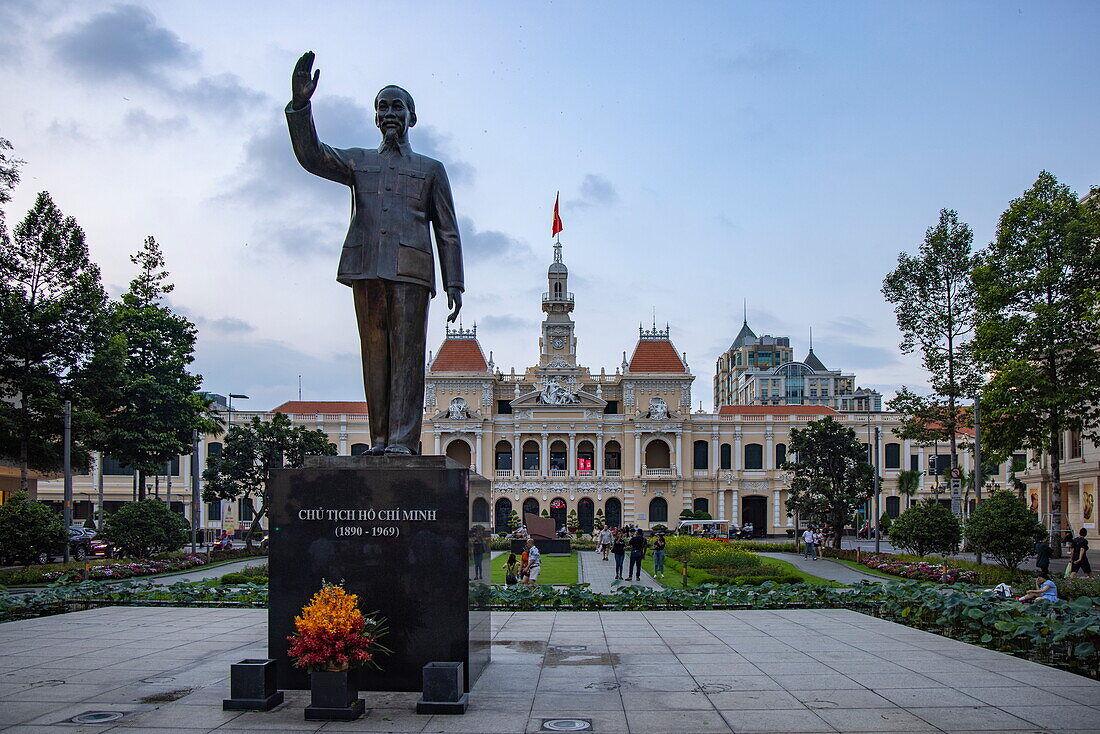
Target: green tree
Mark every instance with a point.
(1003, 527)
(250, 451)
(52, 309)
(513, 521)
(27, 527)
(933, 299)
(927, 527)
(1038, 327)
(831, 476)
(9, 175)
(572, 521)
(599, 519)
(151, 410)
(145, 528)
(909, 485)
(885, 522)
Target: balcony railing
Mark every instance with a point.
(585, 473)
(504, 472)
(559, 473)
(650, 472)
(700, 473)
(612, 472)
(557, 297)
(531, 472)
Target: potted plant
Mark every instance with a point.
(333, 638)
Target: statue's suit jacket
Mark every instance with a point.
(394, 198)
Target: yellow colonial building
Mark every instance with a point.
(563, 437)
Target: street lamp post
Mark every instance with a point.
(196, 505)
(977, 473)
(67, 465)
(877, 538)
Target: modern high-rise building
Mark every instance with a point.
(761, 370)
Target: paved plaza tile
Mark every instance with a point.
(166, 671)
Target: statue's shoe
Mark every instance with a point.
(399, 449)
(377, 449)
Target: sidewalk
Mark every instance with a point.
(600, 574)
(825, 568)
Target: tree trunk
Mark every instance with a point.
(24, 452)
(1056, 493)
(140, 484)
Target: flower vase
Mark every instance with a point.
(334, 696)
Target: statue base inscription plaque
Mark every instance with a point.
(395, 530)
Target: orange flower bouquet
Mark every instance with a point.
(333, 635)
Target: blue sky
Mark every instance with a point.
(706, 153)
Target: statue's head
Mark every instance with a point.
(394, 112)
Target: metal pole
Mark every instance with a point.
(67, 459)
(877, 531)
(977, 473)
(99, 488)
(196, 506)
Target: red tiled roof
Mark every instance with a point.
(460, 355)
(655, 355)
(776, 410)
(312, 407)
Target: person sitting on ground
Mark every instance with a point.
(1044, 589)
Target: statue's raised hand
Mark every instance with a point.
(302, 86)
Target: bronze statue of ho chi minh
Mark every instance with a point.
(387, 256)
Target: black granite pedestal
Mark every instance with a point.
(396, 532)
(546, 546)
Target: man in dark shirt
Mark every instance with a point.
(1078, 556)
(637, 553)
(1042, 556)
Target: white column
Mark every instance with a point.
(775, 509)
(679, 448)
(906, 448)
(343, 434)
(517, 455)
(599, 454)
(738, 462)
(475, 460)
(637, 454)
(438, 443)
(735, 507)
(544, 456)
(769, 453)
(721, 504)
(715, 459)
(572, 458)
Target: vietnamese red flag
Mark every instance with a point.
(557, 226)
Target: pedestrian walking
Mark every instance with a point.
(511, 570)
(809, 538)
(819, 540)
(618, 549)
(605, 541)
(1078, 556)
(659, 556)
(638, 546)
(478, 550)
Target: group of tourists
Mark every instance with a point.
(812, 539)
(618, 542)
(525, 569)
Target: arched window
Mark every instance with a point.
(754, 456)
(893, 456)
(214, 448)
(530, 507)
(586, 515)
(612, 456)
(503, 456)
(657, 455)
(559, 456)
(701, 504)
(613, 512)
(780, 455)
(701, 458)
(893, 506)
(726, 454)
(479, 512)
(557, 290)
(358, 449)
(531, 456)
(658, 510)
(459, 450)
(586, 458)
(503, 512)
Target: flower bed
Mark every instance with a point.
(919, 571)
(130, 569)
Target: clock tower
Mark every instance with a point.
(558, 343)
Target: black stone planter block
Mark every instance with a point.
(333, 697)
(396, 531)
(252, 686)
(443, 692)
